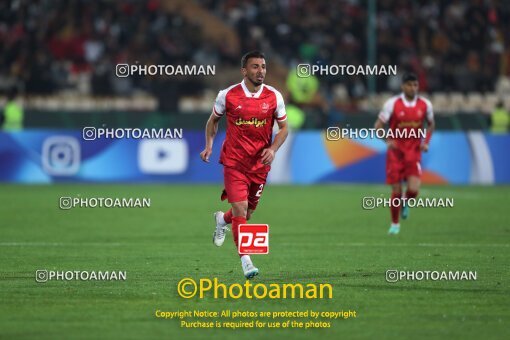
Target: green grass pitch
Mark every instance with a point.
(319, 234)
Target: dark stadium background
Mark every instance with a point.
(58, 70)
(70, 49)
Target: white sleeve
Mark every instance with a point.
(430, 110)
(280, 112)
(220, 103)
(387, 110)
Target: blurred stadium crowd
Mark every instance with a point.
(452, 45)
(49, 46)
(55, 46)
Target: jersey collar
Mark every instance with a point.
(248, 93)
(407, 103)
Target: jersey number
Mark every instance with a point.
(259, 192)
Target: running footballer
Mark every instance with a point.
(407, 111)
(251, 108)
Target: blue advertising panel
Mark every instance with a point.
(49, 156)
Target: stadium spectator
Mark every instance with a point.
(500, 119)
(12, 117)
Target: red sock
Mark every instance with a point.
(395, 209)
(228, 216)
(236, 221)
(411, 194)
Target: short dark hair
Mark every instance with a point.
(409, 76)
(252, 54)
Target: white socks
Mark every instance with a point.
(221, 219)
(245, 259)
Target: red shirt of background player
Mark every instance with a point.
(407, 115)
(250, 120)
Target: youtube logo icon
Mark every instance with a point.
(163, 156)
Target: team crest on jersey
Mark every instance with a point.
(419, 113)
(264, 107)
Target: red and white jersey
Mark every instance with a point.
(402, 114)
(250, 120)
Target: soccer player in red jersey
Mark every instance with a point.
(251, 108)
(407, 111)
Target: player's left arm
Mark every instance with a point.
(268, 154)
(430, 128)
(280, 115)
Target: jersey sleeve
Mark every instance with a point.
(430, 110)
(387, 110)
(220, 104)
(280, 113)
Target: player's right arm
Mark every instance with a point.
(384, 117)
(211, 128)
(379, 124)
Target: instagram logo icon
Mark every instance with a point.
(61, 156)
